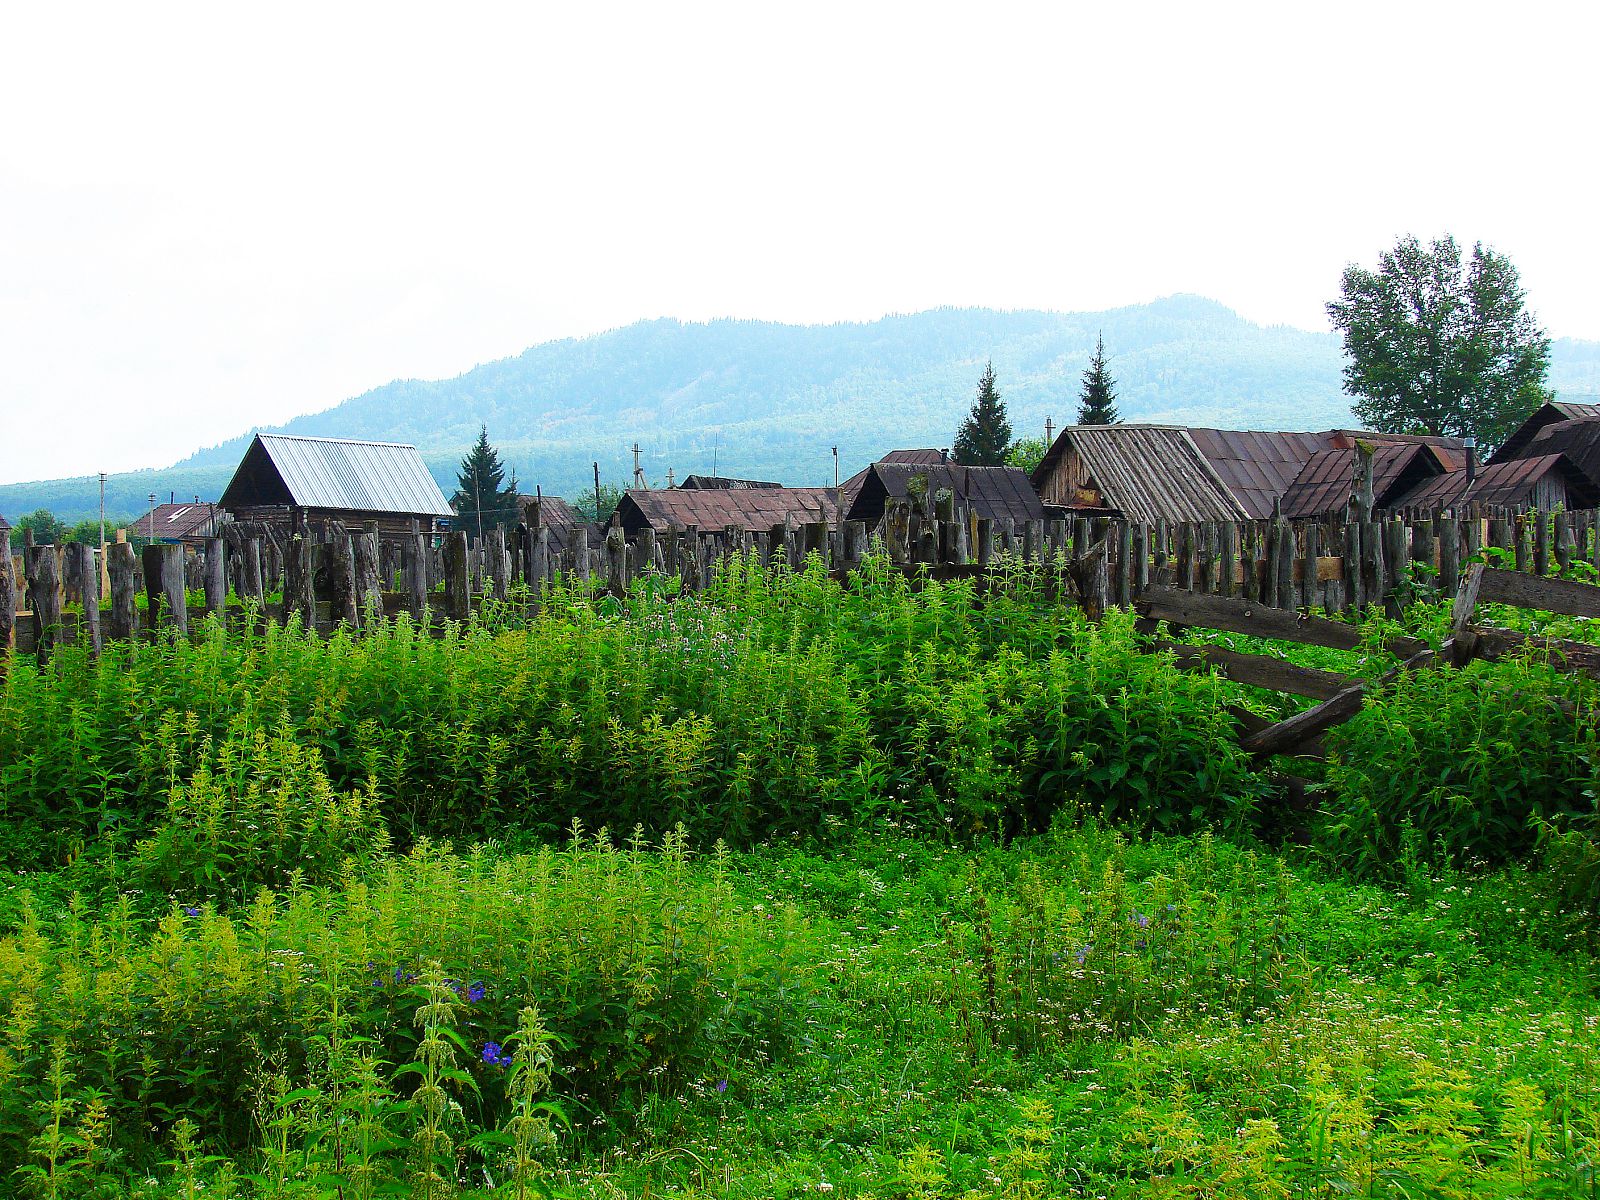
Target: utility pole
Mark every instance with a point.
(836, 466)
(597, 493)
(638, 471)
(150, 527)
(103, 579)
(1049, 433)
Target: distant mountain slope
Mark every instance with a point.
(766, 400)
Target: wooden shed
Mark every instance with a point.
(753, 509)
(289, 480)
(1545, 482)
(1520, 443)
(988, 491)
(1142, 472)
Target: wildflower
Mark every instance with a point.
(493, 1056)
(190, 911)
(476, 993)
(1083, 953)
(722, 1085)
(1139, 919)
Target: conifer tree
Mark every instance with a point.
(480, 501)
(985, 436)
(1097, 403)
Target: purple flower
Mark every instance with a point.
(476, 993)
(191, 911)
(1139, 919)
(1084, 953)
(722, 1085)
(493, 1056)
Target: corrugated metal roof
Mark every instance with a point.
(756, 509)
(1508, 484)
(1578, 439)
(176, 521)
(1257, 466)
(1328, 478)
(1147, 472)
(918, 458)
(990, 492)
(722, 483)
(384, 477)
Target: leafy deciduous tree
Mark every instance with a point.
(1435, 349)
(985, 436)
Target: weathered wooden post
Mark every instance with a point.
(81, 566)
(1227, 558)
(369, 574)
(897, 530)
(814, 540)
(123, 623)
(1310, 593)
(1448, 532)
(645, 550)
(8, 606)
(1541, 542)
(985, 543)
(1139, 548)
(44, 597)
(457, 576)
(174, 587)
(616, 562)
(150, 568)
(299, 586)
(1158, 550)
(495, 562)
(414, 567)
(215, 580)
(1564, 541)
(1033, 539)
(855, 545)
(344, 608)
(1185, 579)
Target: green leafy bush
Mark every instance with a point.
(257, 812)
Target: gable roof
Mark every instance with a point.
(1326, 481)
(1146, 472)
(173, 522)
(1546, 414)
(723, 483)
(1578, 439)
(989, 491)
(1256, 466)
(330, 473)
(756, 509)
(1503, 483)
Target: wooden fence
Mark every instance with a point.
(350, 577)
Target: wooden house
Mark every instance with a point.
(1144, 473)
(1325, 484)
(753, 509)
(1545, 482)
(187, 524)
(722, 483)
(310, 481)
(1520, 443)
(991, 492)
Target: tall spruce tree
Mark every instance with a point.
(480, 501)
(985, 436)
(1097, 403)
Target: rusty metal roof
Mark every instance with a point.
(1578, 439)
(1325, 484)
(1256, 466)
(722, 483)
(330, 473)
(1505, 484)
(1147, 472)
(990, 492)
(756, 509)
(1545, 415)
(174, 522)
(917, 458)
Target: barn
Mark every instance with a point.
(317, 481)
(992, 492)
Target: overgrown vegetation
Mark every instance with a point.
(237, 956)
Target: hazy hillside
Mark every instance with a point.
(767, 400)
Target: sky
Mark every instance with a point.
(219, 216)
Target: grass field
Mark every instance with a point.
(905, 895)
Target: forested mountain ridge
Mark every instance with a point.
(769, 400)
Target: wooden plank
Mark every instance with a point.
(1249, 617)
(1539, 592)
(1576, 657)
(1258, 670)
(1283, 737)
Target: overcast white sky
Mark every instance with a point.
(212, 217)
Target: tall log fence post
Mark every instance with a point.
(8, 606)
(122, 623)
(83, 570)
(457, 576)
(216, 577)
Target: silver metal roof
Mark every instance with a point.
(366, 476)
